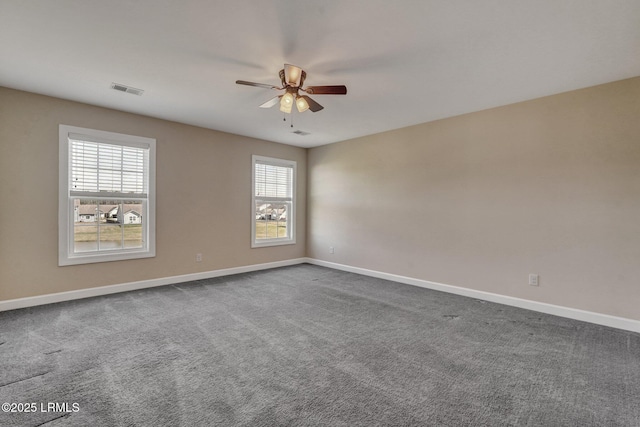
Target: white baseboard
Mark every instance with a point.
(571, 313)
(131, 286)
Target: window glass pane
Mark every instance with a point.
(132, 223)
(282, 221)
(85, 228)
(115, 224)
(108, 211)
(263, 215)
(271, 220)
(110, 236)
(110, 229)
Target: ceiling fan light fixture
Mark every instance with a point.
(302, 104)
(286, 102)
(293, 75)
(285, 109)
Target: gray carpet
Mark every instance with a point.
(311, 346)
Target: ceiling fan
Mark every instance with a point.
(292, 78)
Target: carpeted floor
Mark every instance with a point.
(311, 346)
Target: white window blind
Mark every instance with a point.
(97, 168)
(273, 182)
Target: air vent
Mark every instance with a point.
(127, 89)
(301, 132)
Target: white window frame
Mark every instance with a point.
(291, 218)
(66, 254)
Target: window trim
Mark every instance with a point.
(66, 255)
(291, 216)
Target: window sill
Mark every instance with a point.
(91, 258)
(272, 242)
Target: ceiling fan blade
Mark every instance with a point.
(327, 90)
(270, 103)
(313, 105)
(292, 75)
(242, 82)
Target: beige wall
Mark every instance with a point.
(550, 186)
(203, 197)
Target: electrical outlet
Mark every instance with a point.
(534, 280)
(331, 250)
(198, 257)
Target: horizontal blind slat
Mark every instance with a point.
(102, 195)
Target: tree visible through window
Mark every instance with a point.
(273, 201)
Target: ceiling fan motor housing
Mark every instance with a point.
(283, 78)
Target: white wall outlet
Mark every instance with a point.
(198, 257)
(331, 250)
(534, 280)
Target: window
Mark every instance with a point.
(106, 207)
(273, 203)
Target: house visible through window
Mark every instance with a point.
(107, 204)
(273, 201)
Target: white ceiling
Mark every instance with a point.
(403, 62)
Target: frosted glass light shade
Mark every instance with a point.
(302, 104)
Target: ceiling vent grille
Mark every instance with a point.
(301, 132)
(127, 89)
